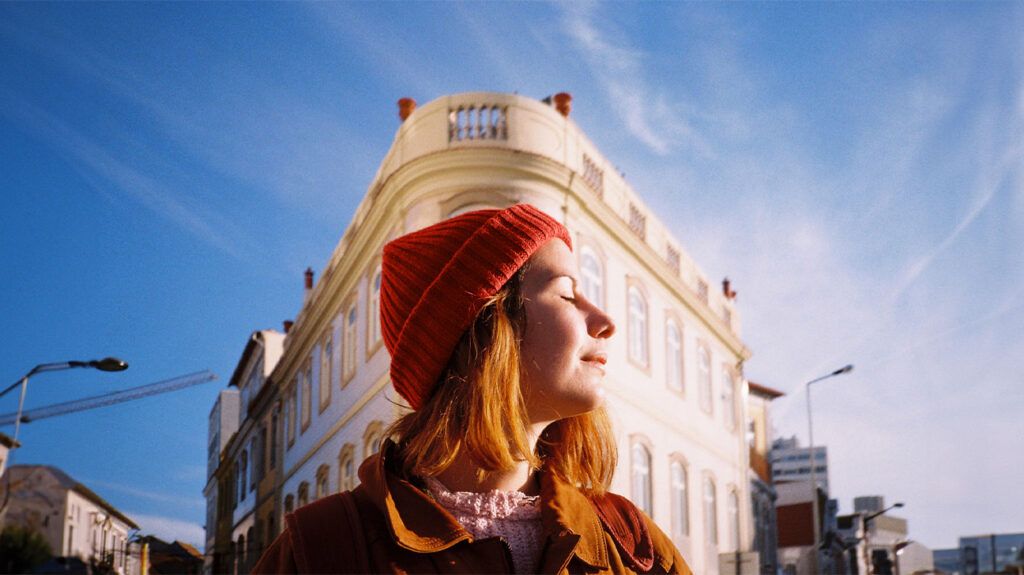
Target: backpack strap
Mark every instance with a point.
(327, 536)
(627, 526)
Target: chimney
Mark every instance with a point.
(406, 106)
(563, 103)
(309, 279)
(288, 325)
(727, 289)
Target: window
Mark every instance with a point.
(680, 503)
(303, 493)
(710, 517)
(306, 376)
(323, 477)
(729, 399)
(349, 359)
(641, 463)
(372, 438)
(326, 368)
(591, 276)
(733, 513)
(704, 377)
(254, 449)
(637, 326)
(347, 468)
(290, 418)
(273, 436)
(673, 356)
(289, 504)
(373, 314)
(243, 474)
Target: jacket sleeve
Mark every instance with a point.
(278, 558)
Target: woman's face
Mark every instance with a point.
(563, 347)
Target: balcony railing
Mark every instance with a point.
(478, 122)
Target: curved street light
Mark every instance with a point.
(868, 566)
(105, 364)
(814, 476)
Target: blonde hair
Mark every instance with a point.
(478, 407)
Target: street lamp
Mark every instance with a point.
(814, 475)
(868, 565)
(105, 364)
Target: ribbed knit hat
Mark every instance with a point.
(434, 282)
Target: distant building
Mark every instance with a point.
(879, 542)
(947, 561)
(762, 491)
(993, 553)
(241, 492)
(75, 521)
(790, 462)
(794, 508)
(676, 389)
(174, 558)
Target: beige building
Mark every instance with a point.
(75, 521)
(675, 383)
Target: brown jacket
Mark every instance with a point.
(404, 531)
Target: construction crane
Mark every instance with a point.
(112, 398)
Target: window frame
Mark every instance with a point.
(326, 381)
(346, 458)
(705, 385)
(633, 286)
(681, 523)
(672, 319)
(588, 247)
(644, 444)
(374, 333)
(350, 339)
(306, 379)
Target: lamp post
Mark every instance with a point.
(105, 364)
(868, 565)
(814, 475)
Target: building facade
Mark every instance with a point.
(675, 384)
(791, 463)
(762, 489)
(73, 519)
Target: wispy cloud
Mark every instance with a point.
(647, 114)
(130, 183)
(147, 494)
(170, 529)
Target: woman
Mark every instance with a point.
(503, 463)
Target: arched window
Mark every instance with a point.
(326, 367)
(348, 361)
(680, 501)
(289, 504)
(710, 512)
(347, 468)
(306, 377)
(373, 312)
(323, 478)
(372, 437)
(303, 493)
(733, 513)
(591, 276)
(704, 377)
(673, 356)
(729, 399)
(637, 326)
(642, 477)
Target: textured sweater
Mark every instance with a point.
(511, 515)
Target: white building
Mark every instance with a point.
(7, 443)
(675, 383)
(792, 463)
(75, 521)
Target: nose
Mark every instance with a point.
(599, 324)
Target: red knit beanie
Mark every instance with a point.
(434, 282)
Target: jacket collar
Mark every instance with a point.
(419, 524)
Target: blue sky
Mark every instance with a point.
(169, 170)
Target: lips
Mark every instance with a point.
(599, 359)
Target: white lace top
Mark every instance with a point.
(512, 515)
